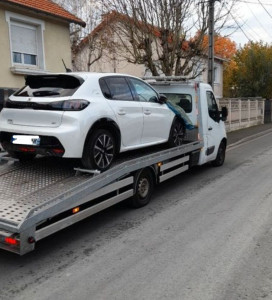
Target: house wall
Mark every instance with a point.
(56, 45)
(108, 63)
(218, 83)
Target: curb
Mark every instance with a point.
(248, 138)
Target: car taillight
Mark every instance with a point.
(66, 105)
(69, 105)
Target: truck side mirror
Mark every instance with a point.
(162, 99)
(224, 113)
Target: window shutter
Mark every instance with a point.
(23, 39)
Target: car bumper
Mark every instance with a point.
(65, 141)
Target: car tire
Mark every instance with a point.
(143, 189)
(220, 157)
(22, 156)
(177, 133)
(99, 151)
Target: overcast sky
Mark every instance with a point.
(255, 21)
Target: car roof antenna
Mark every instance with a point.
(67, 69)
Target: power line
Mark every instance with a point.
(240, 27)
(258, 20)
(251, 2)
(265, 9)
(252, 32)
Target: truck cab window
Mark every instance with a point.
(212, 106)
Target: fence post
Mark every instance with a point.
(240, 111)
(229, 105)
(263, 110)
(257, 109)
(248, 112)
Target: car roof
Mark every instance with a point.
(93, 75)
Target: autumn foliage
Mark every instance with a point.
(223, 46)
(249, 74)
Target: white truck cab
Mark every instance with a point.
(198, 101)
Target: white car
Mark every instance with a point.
(92, 116)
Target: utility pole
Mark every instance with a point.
(211, 43)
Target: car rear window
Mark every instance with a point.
(50, 86)
(182, 100)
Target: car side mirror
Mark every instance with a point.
(224, 113)
(162, 99)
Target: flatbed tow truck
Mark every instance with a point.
(43, 196)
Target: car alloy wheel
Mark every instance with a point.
(177, 134)
(99, 150)
(103, 151)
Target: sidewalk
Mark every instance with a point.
(247, 133)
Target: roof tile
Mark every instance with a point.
(47, 7)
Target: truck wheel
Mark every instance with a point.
(220, 157)
(143, 188)
(177, 134)
(99, 150)
(22, 156)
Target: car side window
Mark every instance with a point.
(116, 88)
(143, 92)
(212, 106)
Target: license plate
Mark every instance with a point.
(33, 140)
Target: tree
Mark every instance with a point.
(89, 11)
(223, 46)
(157, 33)
(251, 71)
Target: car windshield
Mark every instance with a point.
(50, 86)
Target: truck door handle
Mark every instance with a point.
(210, 128)
(121, 112)
(147, 112)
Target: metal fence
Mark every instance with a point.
(243, 112)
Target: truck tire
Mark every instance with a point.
(99, 151)
(220, 157)
(143, 188)
(177, 133)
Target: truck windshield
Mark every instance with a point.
(50, 86)
(182, 100)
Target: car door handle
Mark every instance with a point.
(121, 112)
(147, 112)
(210, 128)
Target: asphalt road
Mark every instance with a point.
(207, 234)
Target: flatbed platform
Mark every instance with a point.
(33, 194)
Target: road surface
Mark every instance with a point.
(207, 234)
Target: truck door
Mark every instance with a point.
(214, 127)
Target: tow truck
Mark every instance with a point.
(41, 197)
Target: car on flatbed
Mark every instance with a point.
(91, 116)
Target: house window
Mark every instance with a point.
(26, 42)
(23, 44)
(216, 74)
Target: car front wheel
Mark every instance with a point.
(99, 151)
(177, 134)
